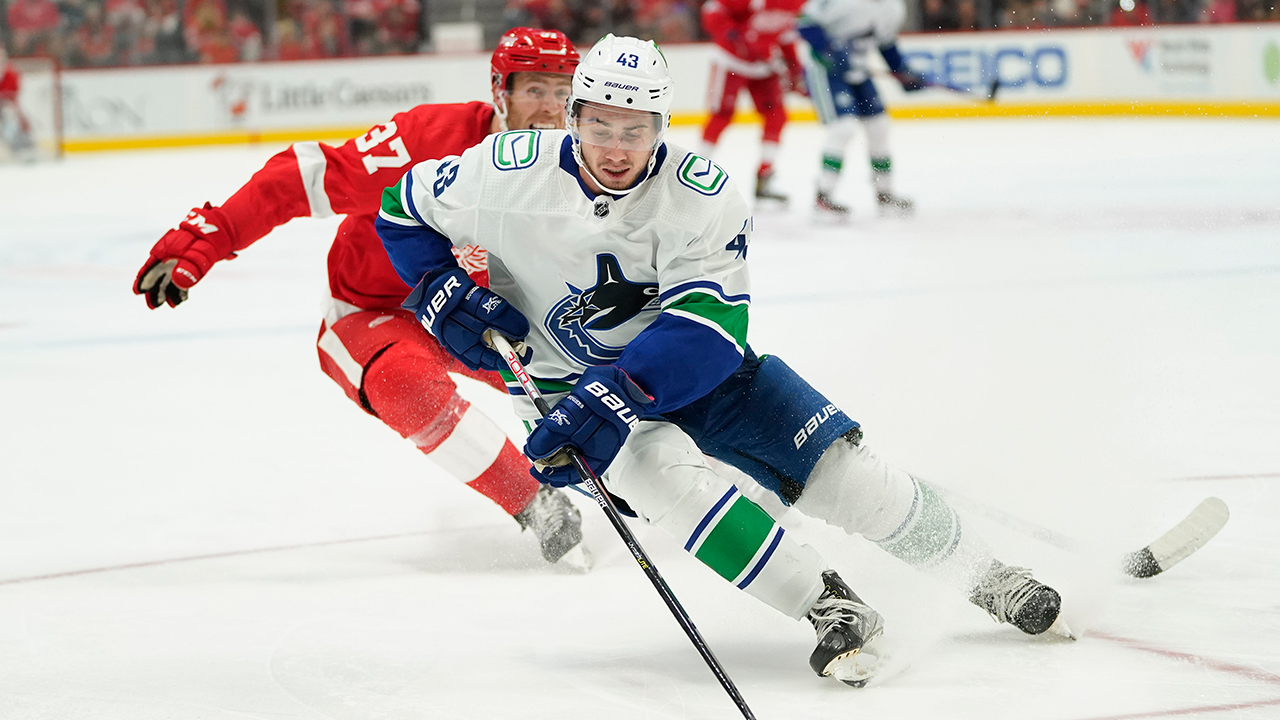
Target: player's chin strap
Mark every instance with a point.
(589, 478)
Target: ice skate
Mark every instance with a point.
(1012, 596)
(827, 206)
(558, 527)
(848, 631)
(766, 189)
(894, 205)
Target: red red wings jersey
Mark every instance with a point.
(8, 83)
(315, 180)
(749, 30)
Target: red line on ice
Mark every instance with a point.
(1251, 673)
(1189, 711)
(210, 556)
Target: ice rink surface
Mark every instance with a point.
(1080, 329)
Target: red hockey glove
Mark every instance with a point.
(183, 256)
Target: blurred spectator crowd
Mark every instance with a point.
(108, 33)
(942, 15)
(103, 33)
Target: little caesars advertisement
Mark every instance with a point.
(182, 101)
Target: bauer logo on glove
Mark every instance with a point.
(595, 419)
(458, 312)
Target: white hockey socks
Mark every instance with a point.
(854, 490)
(839, 133)
(877, 127)
(664, 477)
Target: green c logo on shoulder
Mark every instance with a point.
(701, 174)
(515, 149)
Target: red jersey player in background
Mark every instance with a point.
(15, 131)
(755, 48)
(377, 352)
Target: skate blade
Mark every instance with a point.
(1060, 628)
(855, 668)
(892, 213)
(578, 559)
(828, 218)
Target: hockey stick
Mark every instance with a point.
(986, 94)
(602, 498)
(1171, 548)
(1183, 539)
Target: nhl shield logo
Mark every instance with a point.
(602, 208)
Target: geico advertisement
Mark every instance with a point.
(1173, 63)
(1024, 63)
(224, 98)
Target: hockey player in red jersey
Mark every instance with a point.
(377, 352)
(15, 131)
(755, 49)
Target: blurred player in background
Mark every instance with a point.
(15, 131)
(754, 49)
(840, 34)
(377, 352)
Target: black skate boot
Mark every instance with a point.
(558, 526)
(1011, 595)
(828, 206)
(894, 205)
(847, 632)
(766, 189)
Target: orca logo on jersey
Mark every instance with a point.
(438, 300)
(614, 403)
(582, 323)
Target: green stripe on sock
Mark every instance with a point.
(932, 534)
(832, 163)
(881, 165)
(735, 539)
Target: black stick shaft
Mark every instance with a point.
(606, 504)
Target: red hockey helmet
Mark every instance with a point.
(525, 49)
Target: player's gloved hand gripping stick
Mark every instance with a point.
(595, 419)
(514, 363)
(458, 313)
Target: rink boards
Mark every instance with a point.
(1179, 71)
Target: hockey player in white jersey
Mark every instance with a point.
(620, 261)
(841, 34)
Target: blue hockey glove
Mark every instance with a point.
(911, 82)
(595, 418)
(456, 311)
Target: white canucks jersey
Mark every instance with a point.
(856, 27)
(591, 274)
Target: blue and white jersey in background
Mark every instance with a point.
(852, 28)
(654, 281)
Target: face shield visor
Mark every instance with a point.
(608, 127)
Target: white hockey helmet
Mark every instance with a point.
(625, 73)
